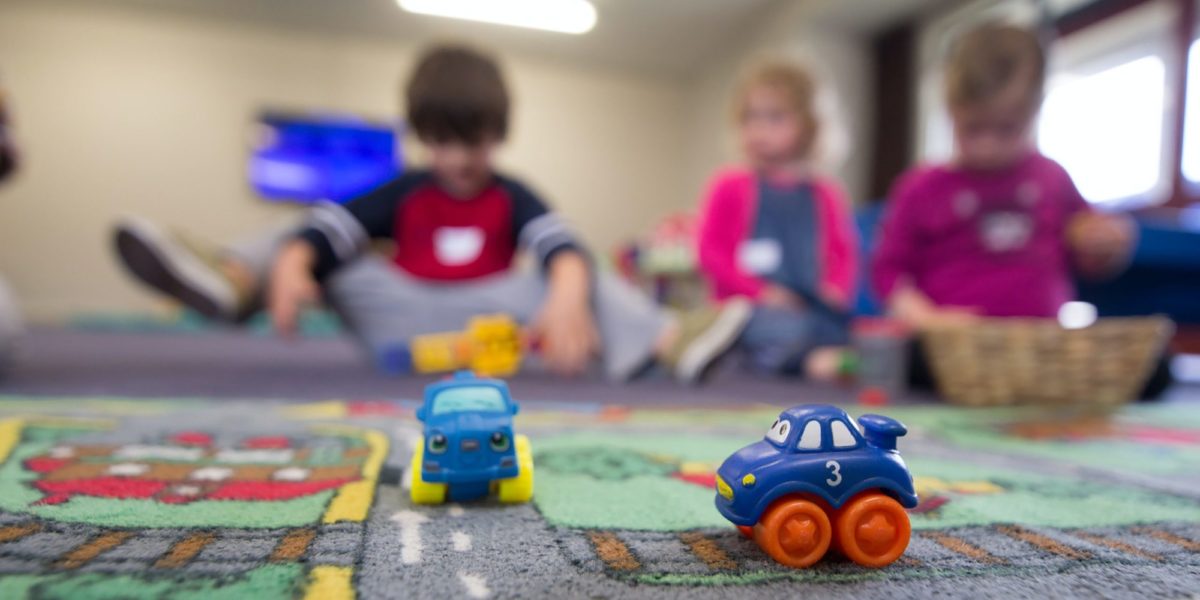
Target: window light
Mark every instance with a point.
(564, 16)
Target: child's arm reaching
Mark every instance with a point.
(333, 234)
(911, 306)
(564, 325)
(292, 285)
(895, 261)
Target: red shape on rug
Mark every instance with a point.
(58, 492)
(192, 438)
(45, 464)
(705, 480)
(368, 408)
(273, 490)
(929, 505)
(267, 442)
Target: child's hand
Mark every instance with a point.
(1100, 243)
(777, 296)
(919, 312)
(947, 317)
(291, 286)
(567, 334)
(564, 326)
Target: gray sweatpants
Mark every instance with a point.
(385, 307)
(10, 328)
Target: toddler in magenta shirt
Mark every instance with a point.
(1001, 229)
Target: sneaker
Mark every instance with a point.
(176, 268)
(706, 336)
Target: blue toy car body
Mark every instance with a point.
(468, 443)
(814, 451)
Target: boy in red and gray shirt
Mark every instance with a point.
(457, 227)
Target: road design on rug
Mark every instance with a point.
(241, 511)
(123, 499)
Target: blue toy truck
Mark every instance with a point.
(816, 481)
(468, 449)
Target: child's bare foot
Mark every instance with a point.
(197, 277)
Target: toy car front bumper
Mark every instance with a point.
(453, 476)
(726, 505)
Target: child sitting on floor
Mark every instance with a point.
(457, 227)
(999, 230)
(10, 319)
(777, 232)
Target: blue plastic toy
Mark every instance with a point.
(816, 481)
(468, 449)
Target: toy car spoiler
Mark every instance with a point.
(882, 431)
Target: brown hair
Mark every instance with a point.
(991, 57)
(794, 82)
(457, 93)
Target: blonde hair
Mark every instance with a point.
(794, 82)
(991, 57)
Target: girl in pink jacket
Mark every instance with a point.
(775, 232)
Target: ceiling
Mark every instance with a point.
(665, 37)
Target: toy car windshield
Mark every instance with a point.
(480, 398)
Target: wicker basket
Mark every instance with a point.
(1036, 361)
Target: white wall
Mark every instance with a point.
(839, 58)
(143, 113)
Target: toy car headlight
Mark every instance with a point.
(438, 443)
(723, 489)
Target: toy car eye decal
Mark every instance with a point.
(499, 441)
(779, 431)
(438, 443)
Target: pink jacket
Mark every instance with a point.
(727, 219)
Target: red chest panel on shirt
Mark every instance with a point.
(439, 237)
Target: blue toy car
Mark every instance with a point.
(814, 481)
(468, 449)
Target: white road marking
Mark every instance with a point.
(476, 585)
(410, 535)
(127, 469)
(291, 474)
(455, 510)
(211, 474)
(266, 455)
(147, 452)
(461, 541)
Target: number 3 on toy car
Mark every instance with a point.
(835, 469)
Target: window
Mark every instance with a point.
(1191, 129)
(842, 438)
(481, 398)
(1107, 129)
(779, 431)
(810, 438)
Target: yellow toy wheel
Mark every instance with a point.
(520, 488)
(423, 492)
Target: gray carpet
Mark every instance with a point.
(239, 365)
(1006, 549)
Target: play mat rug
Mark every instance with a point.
(112, 498)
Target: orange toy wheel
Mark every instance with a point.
(873, 530)
(795, 532)
(746, 530)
